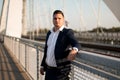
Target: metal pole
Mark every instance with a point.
(37, 62)
(72, 71)
(25, 57)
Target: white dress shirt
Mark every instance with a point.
(50, 59)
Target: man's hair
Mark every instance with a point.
(58, 12)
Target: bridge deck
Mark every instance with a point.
(9, 67)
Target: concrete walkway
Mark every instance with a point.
(9, 67)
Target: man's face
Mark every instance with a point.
(58, 20)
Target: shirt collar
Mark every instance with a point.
(60, 29)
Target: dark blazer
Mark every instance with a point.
(65, 39)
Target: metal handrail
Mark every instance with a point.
(84, 69)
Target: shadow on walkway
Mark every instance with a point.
(9, 68)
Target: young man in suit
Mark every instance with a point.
(61, 48)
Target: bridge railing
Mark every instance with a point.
(28, 54)
(106, 38)
(86, 66)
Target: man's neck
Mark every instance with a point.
(56, 28)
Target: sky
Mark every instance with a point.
(1, 1)
(80, 14)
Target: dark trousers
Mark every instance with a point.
(57, 73)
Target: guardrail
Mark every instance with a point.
(87, 66)
(105, 38)
(28, 54)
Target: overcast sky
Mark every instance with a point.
(80, 14)
(1, 1)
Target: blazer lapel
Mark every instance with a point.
(59, 38)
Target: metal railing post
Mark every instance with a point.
(72, 72)
(25, 57)
(37, 62)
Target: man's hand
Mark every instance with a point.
(72, 55)
(41, 71)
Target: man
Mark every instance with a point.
(61, 48)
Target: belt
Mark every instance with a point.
(62, 60)
(50, 67)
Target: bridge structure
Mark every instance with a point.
(20, 58)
